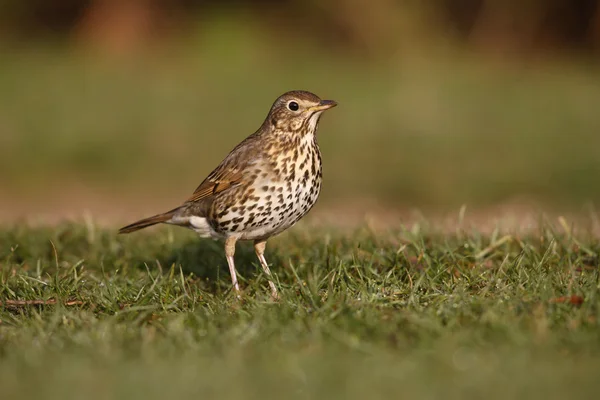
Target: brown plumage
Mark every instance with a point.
(146, 222)
(264, 186)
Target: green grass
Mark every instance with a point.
(438, 128)
(409, 313)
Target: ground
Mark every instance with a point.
(454, 251)
(411, 311)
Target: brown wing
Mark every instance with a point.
(216, 182)
(230, 172)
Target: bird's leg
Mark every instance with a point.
(229, 253)
(259, 247)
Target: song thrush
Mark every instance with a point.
(264, 185)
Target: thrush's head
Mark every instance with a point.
(297, 112)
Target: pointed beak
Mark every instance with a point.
(324, 105)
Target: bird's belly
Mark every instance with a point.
(279, 194)
(200, 225)
(283, 214)
(273, 208)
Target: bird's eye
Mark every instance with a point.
(292, 105)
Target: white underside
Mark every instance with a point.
(262, 232)
(197, 224)
(204, 230)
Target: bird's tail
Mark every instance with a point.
(146, 222)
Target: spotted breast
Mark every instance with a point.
(282, 187)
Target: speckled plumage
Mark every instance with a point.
(264, 186)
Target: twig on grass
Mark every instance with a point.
(23, 303)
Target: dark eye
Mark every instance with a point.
(292, 105)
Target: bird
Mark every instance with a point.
(264, 186)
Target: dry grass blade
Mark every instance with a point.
(24, 303)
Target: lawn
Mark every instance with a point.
(421, 310)
(437, 129)
(408, 312)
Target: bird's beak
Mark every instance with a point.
(324, 105)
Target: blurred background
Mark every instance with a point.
(122, 107)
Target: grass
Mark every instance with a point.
(474, 131)
(408, 312)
